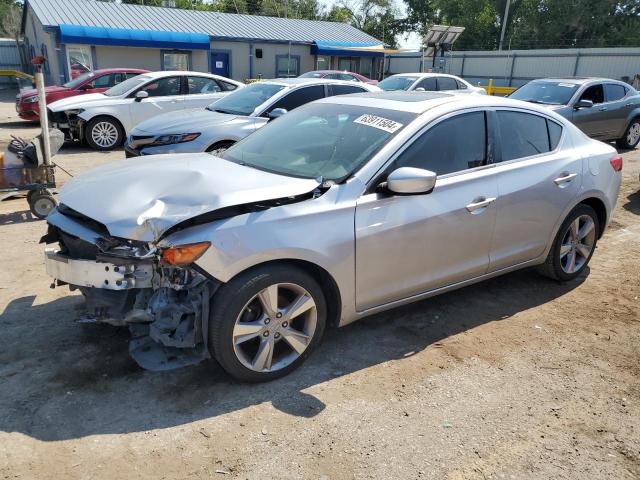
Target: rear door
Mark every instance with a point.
(538, 177)
(165, 95)
(418, 243)
(297, 97)
(447, 83)
(344, 89)
(428, 84)
(201, 91)
(618, 109)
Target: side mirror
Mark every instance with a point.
(141, 95)
(411, 181)
(88, 86)
(277, 112)
(583, 104)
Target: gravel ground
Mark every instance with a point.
(518, 377)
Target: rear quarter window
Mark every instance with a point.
(555, 132)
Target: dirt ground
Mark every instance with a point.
(515, 378)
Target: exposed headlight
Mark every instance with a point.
(76, 111)
(32, 99)
(175, 138)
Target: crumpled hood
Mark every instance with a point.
(140, 200)
(186, 121)
(79, 101)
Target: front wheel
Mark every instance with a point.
(573, 246)
(266, 322)
(104, 133)
(631, 136)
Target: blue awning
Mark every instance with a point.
(125, 37)
(347, 49)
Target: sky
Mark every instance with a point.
(412, 40)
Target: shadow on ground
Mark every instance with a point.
(633, 204)
(62, 380)
(23, 216)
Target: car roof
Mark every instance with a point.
(294, 82)
(100, 71)
(576, 80)
(420, 102)
(169, 73)
(422, 75)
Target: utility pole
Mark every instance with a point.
(505, 18)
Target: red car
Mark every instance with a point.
(89, 82)
(339, 75)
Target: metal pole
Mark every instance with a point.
(504, 24)
(44, 122)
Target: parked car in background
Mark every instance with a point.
(429, 82)
(339, 75)
(224, 122)
(97, 81)
(248, 257)
(602, 108)
(104, 119)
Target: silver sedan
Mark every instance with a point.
(342, 208)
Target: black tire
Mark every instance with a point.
(552, 267)
(218, 148)
(107, 128)
(232, 298)
(41, 203)
(628, 141)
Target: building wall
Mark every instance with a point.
(9, 59)
(147, 58)
(266, 66)
(239, 57)
(36, 36)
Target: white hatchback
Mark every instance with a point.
(104, 119)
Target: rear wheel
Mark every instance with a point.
(219, 148)
(631, 136)
(104, 133)
(573, 246)
(266, 322)
(41, 203)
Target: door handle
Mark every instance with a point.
(630, 104)
(479, 204)
(566, 178)
(602, 109)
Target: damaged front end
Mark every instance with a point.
(160, 295)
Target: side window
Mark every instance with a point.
(226, 86)
(555, 132)
(163, 87)
(200, 85)
(332, 76)
(522, 134)
(614, 92)
(429, 84)
(595, 93)
(446, 83)
(299, 97)
(131, 74)
(348, 78)
(461, 86)
(453, 145)
(119, 78)
(105, 81)
(344, 89)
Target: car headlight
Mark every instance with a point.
(76, 111)
(32, 99)
(175, 138)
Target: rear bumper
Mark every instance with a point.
(93, 274)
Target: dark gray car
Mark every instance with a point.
(602, 108)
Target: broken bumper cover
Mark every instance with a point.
(89, 273)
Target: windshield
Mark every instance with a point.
(78, 80)
(397, 83)
(320, 140)
(545, 92)
(311, 75)
(124, 87)
(245, 100)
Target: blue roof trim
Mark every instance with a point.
(133, 38)
(320, 47)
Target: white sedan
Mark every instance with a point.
(105, 119)
(429, 82)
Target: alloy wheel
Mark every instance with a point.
(634, 134)
(275, 327)
(577, 244)
(104, 134)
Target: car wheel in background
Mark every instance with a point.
(219, 148)
(573, 246)
(265, 322)
(104, 133)
(631, 136)
(41, 202)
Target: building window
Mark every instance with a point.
(79, 60)
(287, 66)
(323, 62)
(172, 60)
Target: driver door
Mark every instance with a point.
(165, 95)
(590, 120)
(410, 244)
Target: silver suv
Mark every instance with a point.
(342, 208)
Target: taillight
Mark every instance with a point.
(616, 163)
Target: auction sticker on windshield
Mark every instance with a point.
(380, 123)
